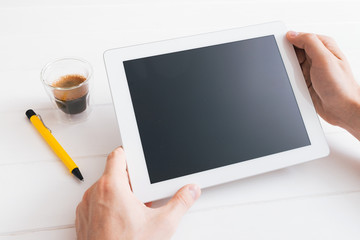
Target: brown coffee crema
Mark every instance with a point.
(70, 95)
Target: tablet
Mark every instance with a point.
(211, 108)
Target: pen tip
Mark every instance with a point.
(77, 174)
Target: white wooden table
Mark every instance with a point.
(38, 197)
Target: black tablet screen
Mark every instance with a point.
(213, 106)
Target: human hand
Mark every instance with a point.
(109, 209)
(333, 89)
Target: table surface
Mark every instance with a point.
(315, 200)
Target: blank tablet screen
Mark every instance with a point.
(213, 106)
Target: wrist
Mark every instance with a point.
(352, 122)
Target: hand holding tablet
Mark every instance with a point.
(211, 108)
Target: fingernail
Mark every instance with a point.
(293, 33)
(194, 191)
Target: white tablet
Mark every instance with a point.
(212, 108)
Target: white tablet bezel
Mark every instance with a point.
(138, 173)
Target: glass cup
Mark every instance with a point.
(67, 82)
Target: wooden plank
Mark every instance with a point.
(117, 17)
(329, 217)
(21, 143)
(43, 194)
(67, 233)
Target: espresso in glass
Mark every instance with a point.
(67, 82)
(71, 94)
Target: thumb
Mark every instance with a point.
(312, 45)
(181, 202)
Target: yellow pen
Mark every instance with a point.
(56, 147)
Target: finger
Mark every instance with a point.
(148, 204)
(316, 100)
(128, 178)
(116, 164)
(181, 202)
(300, 54)
(332, 46)
(305, 67)
(312, 45)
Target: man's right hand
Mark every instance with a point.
(333, 89)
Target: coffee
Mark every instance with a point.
(71, 93)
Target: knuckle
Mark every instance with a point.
(330, 39)
(326, 63)
(87, 194)
(344, 65)
(183, 200)
(309, 36)
(329, 42)
(104, 185)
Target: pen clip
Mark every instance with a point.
(43, 122)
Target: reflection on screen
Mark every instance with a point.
(213, 106)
